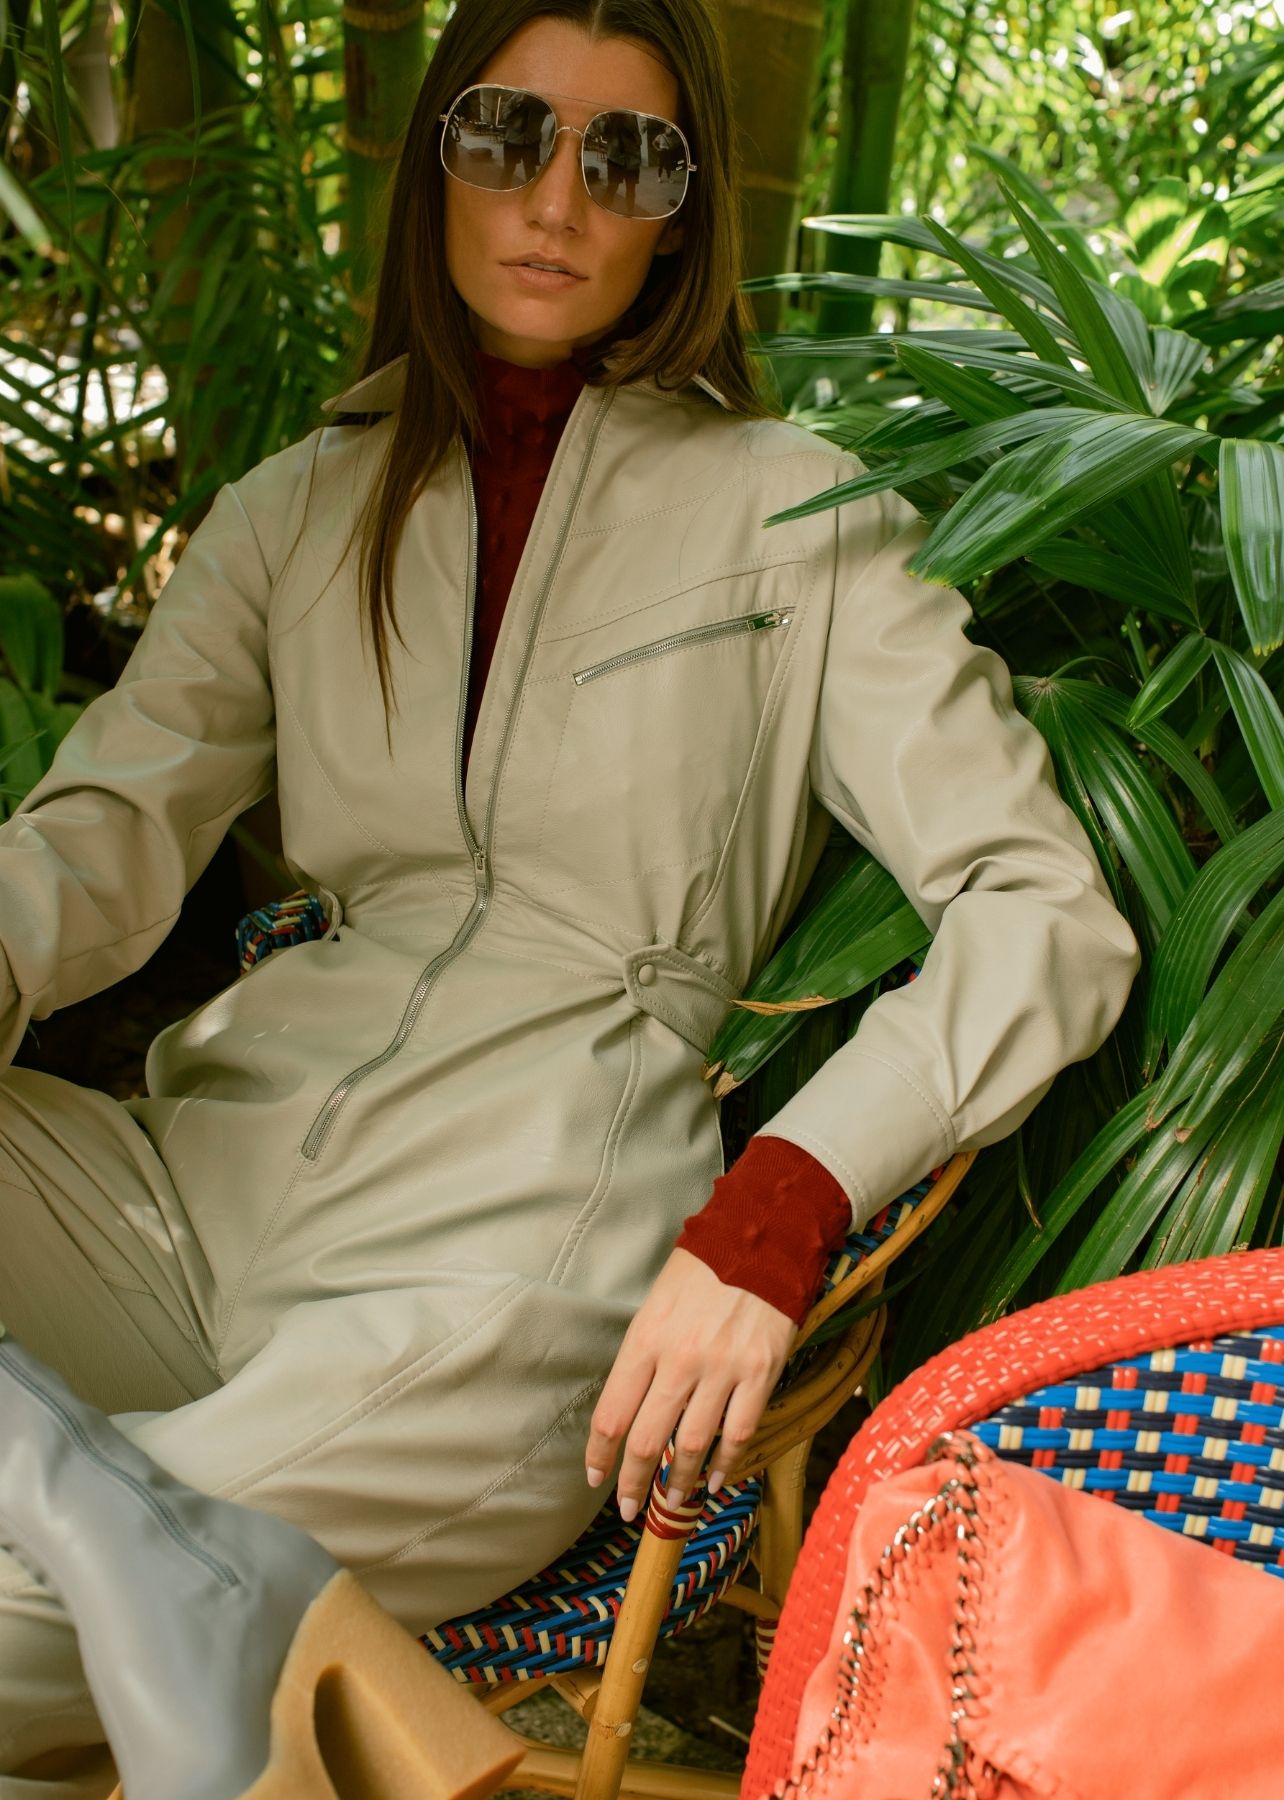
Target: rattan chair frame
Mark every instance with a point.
(608, 1699)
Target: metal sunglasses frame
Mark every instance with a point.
(559, 129)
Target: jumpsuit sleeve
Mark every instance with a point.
(95, 863)
(918, 750)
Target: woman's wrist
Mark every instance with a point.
(771, 1224)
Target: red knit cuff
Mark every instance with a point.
(771, 1224)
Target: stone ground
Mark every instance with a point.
(702, 1690)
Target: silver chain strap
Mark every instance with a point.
(955, 1507)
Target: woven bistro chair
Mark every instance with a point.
(1162, 1392)
(588, 1625)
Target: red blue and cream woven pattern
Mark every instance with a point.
(1181, 1363)
(1192, 1437)
(295, 920)
(873, 1234)
(562, 1618)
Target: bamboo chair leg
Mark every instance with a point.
(780, 1535)
(633, 1644)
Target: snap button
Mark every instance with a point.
(646, 974)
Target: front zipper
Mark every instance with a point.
(225, 1576)
(758, 621)
(323, 1124)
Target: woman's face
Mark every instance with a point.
(553, 218)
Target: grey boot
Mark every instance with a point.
(185, 1606)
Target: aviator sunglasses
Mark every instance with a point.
(634, 164)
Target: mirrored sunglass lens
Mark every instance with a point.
(497, 137)
(635, 165)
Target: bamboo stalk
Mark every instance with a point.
(875, 55)
(773, 48)
(384, 58)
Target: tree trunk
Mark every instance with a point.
(10, 44)
(874, 59)
(162, 98)
(384, 58)
(88, 70)
(774, 48)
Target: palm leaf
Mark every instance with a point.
(1238, 1013)
(1252, 499)
(862, 927)
(1120, 577)
(1114, 1141)
(1258, 715)
(1199, 928)
(1039, 490)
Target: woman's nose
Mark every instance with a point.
(558, 191)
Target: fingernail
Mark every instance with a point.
(716, 1480)
(628, 1508)
(595, 1476)
(675, 1496)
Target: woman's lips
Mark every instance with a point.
(542, 281)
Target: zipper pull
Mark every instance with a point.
(479, 864)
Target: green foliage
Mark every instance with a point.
(1102, 466)
(33, 720)
(178, 301)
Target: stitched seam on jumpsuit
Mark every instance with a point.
(338, 799)
(663, 1011)
(242, 509)
(553, 962)
(264, 1235)
(692, 862)
(552, 784)
(918, 1087)
(428, 874)
(606, 1173)
(670, 510)
(743, 467)
(558, 912)
(571, 1407)
(830, 1155)
(681, 960)
(501, 773)
(382, 1395)
(115, 943)
(670, 591)
(757, 756)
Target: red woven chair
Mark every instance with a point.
(1162, 1391)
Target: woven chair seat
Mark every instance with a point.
(1192, 1437)
(563, 1618)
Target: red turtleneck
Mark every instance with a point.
(777, 1214)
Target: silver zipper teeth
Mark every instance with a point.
(323, 1124)
(225, 1576)
(761, 621)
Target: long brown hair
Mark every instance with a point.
(691, 316)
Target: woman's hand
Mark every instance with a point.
(695, 1349)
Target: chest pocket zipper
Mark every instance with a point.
(774, 620)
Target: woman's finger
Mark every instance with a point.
(644, 1446)
(745, 1408)
(695, 1431)
(617, 1406)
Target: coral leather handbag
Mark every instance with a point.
(1002, 1637)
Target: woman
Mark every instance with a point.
(388, 1248)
